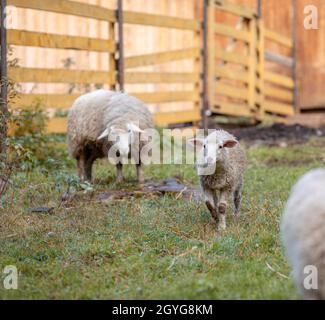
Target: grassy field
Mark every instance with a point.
(151, 247)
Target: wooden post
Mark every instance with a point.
(205, 57)
(261, 68)
(120, 22)
(295, 56)
(3, 77)
(211, 72)
(259, 9)
(252, 46)
(112, 56)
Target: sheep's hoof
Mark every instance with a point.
(236, 214)
(212, 210)
(221, 227)
(222, 208)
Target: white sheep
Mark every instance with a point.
(104, 119)
(303, 232)
(220, 166)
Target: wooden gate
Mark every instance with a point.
(237, 71)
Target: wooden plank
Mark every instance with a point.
(277, 93)
(279, 38)
(166, 118)
(52, 101)
(47, 40)
(64, 101)
(279, 79)
(161, 57)
(232, 57)
(211, 53)
(242, 11)
(67, 7)
(20, 75)
(197, 67)
(252, 80)
(232, 109)
(163, 97)
(279, 108)
(161, 21)
(230, 91)
(156, 77)
(101, 13)
(112, 57)
(271, 118)
(57, 125)
(278, 58)
(232, 74)
(228, 31)
(261, 69)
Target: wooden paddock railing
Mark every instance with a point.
(109, 77)
(278, 90)
(239, 81)
(193, 78)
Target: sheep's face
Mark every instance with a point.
(211, 150)
(121, 139)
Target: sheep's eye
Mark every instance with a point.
(220, 147)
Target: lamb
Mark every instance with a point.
(104, 119)
(221, 163)
(303, 232)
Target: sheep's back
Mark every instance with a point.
(85, 119)
(92, 113)
(303, 230)
(123, 108)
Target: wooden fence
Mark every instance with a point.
(238, 82)
(279, 86)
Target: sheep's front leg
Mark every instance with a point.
(210, 199)
(237, 201)
(119, 174)
(222, 208)
(81, 164)
(140, 174)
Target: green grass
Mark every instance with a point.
(150, 247)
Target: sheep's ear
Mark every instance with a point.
(230, 143)
(196, 142)
(133, 128)
(104, 134)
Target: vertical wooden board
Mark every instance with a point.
(261, 67)
(197, 68)
(252, 64)
(211, 53)
(112, 58)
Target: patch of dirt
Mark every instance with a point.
(277, 134)
(148, 190)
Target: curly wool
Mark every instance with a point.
(303, 231)
(93, 113)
